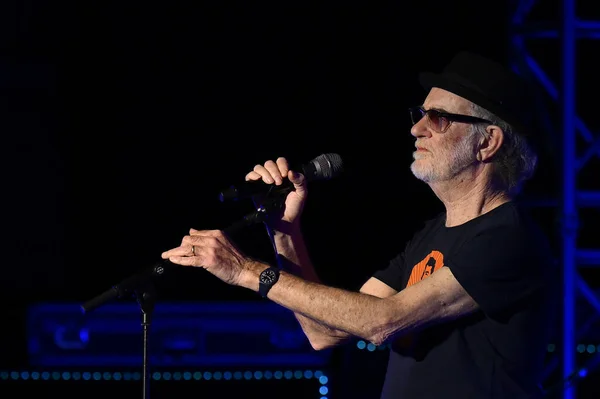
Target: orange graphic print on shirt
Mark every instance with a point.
(406, 344)
(426, 267)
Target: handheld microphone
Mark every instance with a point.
(323, 167)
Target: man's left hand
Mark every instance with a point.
(213, 251)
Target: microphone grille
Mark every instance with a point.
(330, 165)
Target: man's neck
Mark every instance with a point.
(467, 197)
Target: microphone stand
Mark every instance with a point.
(140, 286)
(146, 300)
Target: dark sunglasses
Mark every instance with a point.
(441, 121)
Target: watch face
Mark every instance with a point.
(268, 277)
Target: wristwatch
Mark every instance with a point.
(267, 279)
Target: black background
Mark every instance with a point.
(122, 121)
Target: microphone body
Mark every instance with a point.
(129, 286)
(323, 167)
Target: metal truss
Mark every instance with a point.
(566, 30)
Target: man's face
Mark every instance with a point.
(441, 156)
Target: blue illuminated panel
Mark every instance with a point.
(96, 384)
(248, 334)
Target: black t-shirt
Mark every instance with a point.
(503, 261)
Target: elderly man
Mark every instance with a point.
(465, 303)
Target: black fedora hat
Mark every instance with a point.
(490, 85)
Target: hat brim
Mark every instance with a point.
(428, 80)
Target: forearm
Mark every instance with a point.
(293, 257)
(353, 313)
(293, 254)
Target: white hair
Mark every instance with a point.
(516, 161)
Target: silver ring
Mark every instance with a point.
(193, 250)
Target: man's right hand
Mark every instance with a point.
(275, 172)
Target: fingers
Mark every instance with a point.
(193, 246)
(283, 166)
(200, 241)
(196, 237)
(296, 178)
(183, 250)
(207, 233)
(186, 255)
(275, 172)
(253, 176)
(263, 173)
(271, 172)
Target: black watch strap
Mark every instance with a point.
(267, 279)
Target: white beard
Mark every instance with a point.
(445, 164)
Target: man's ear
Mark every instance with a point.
(490, 144)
